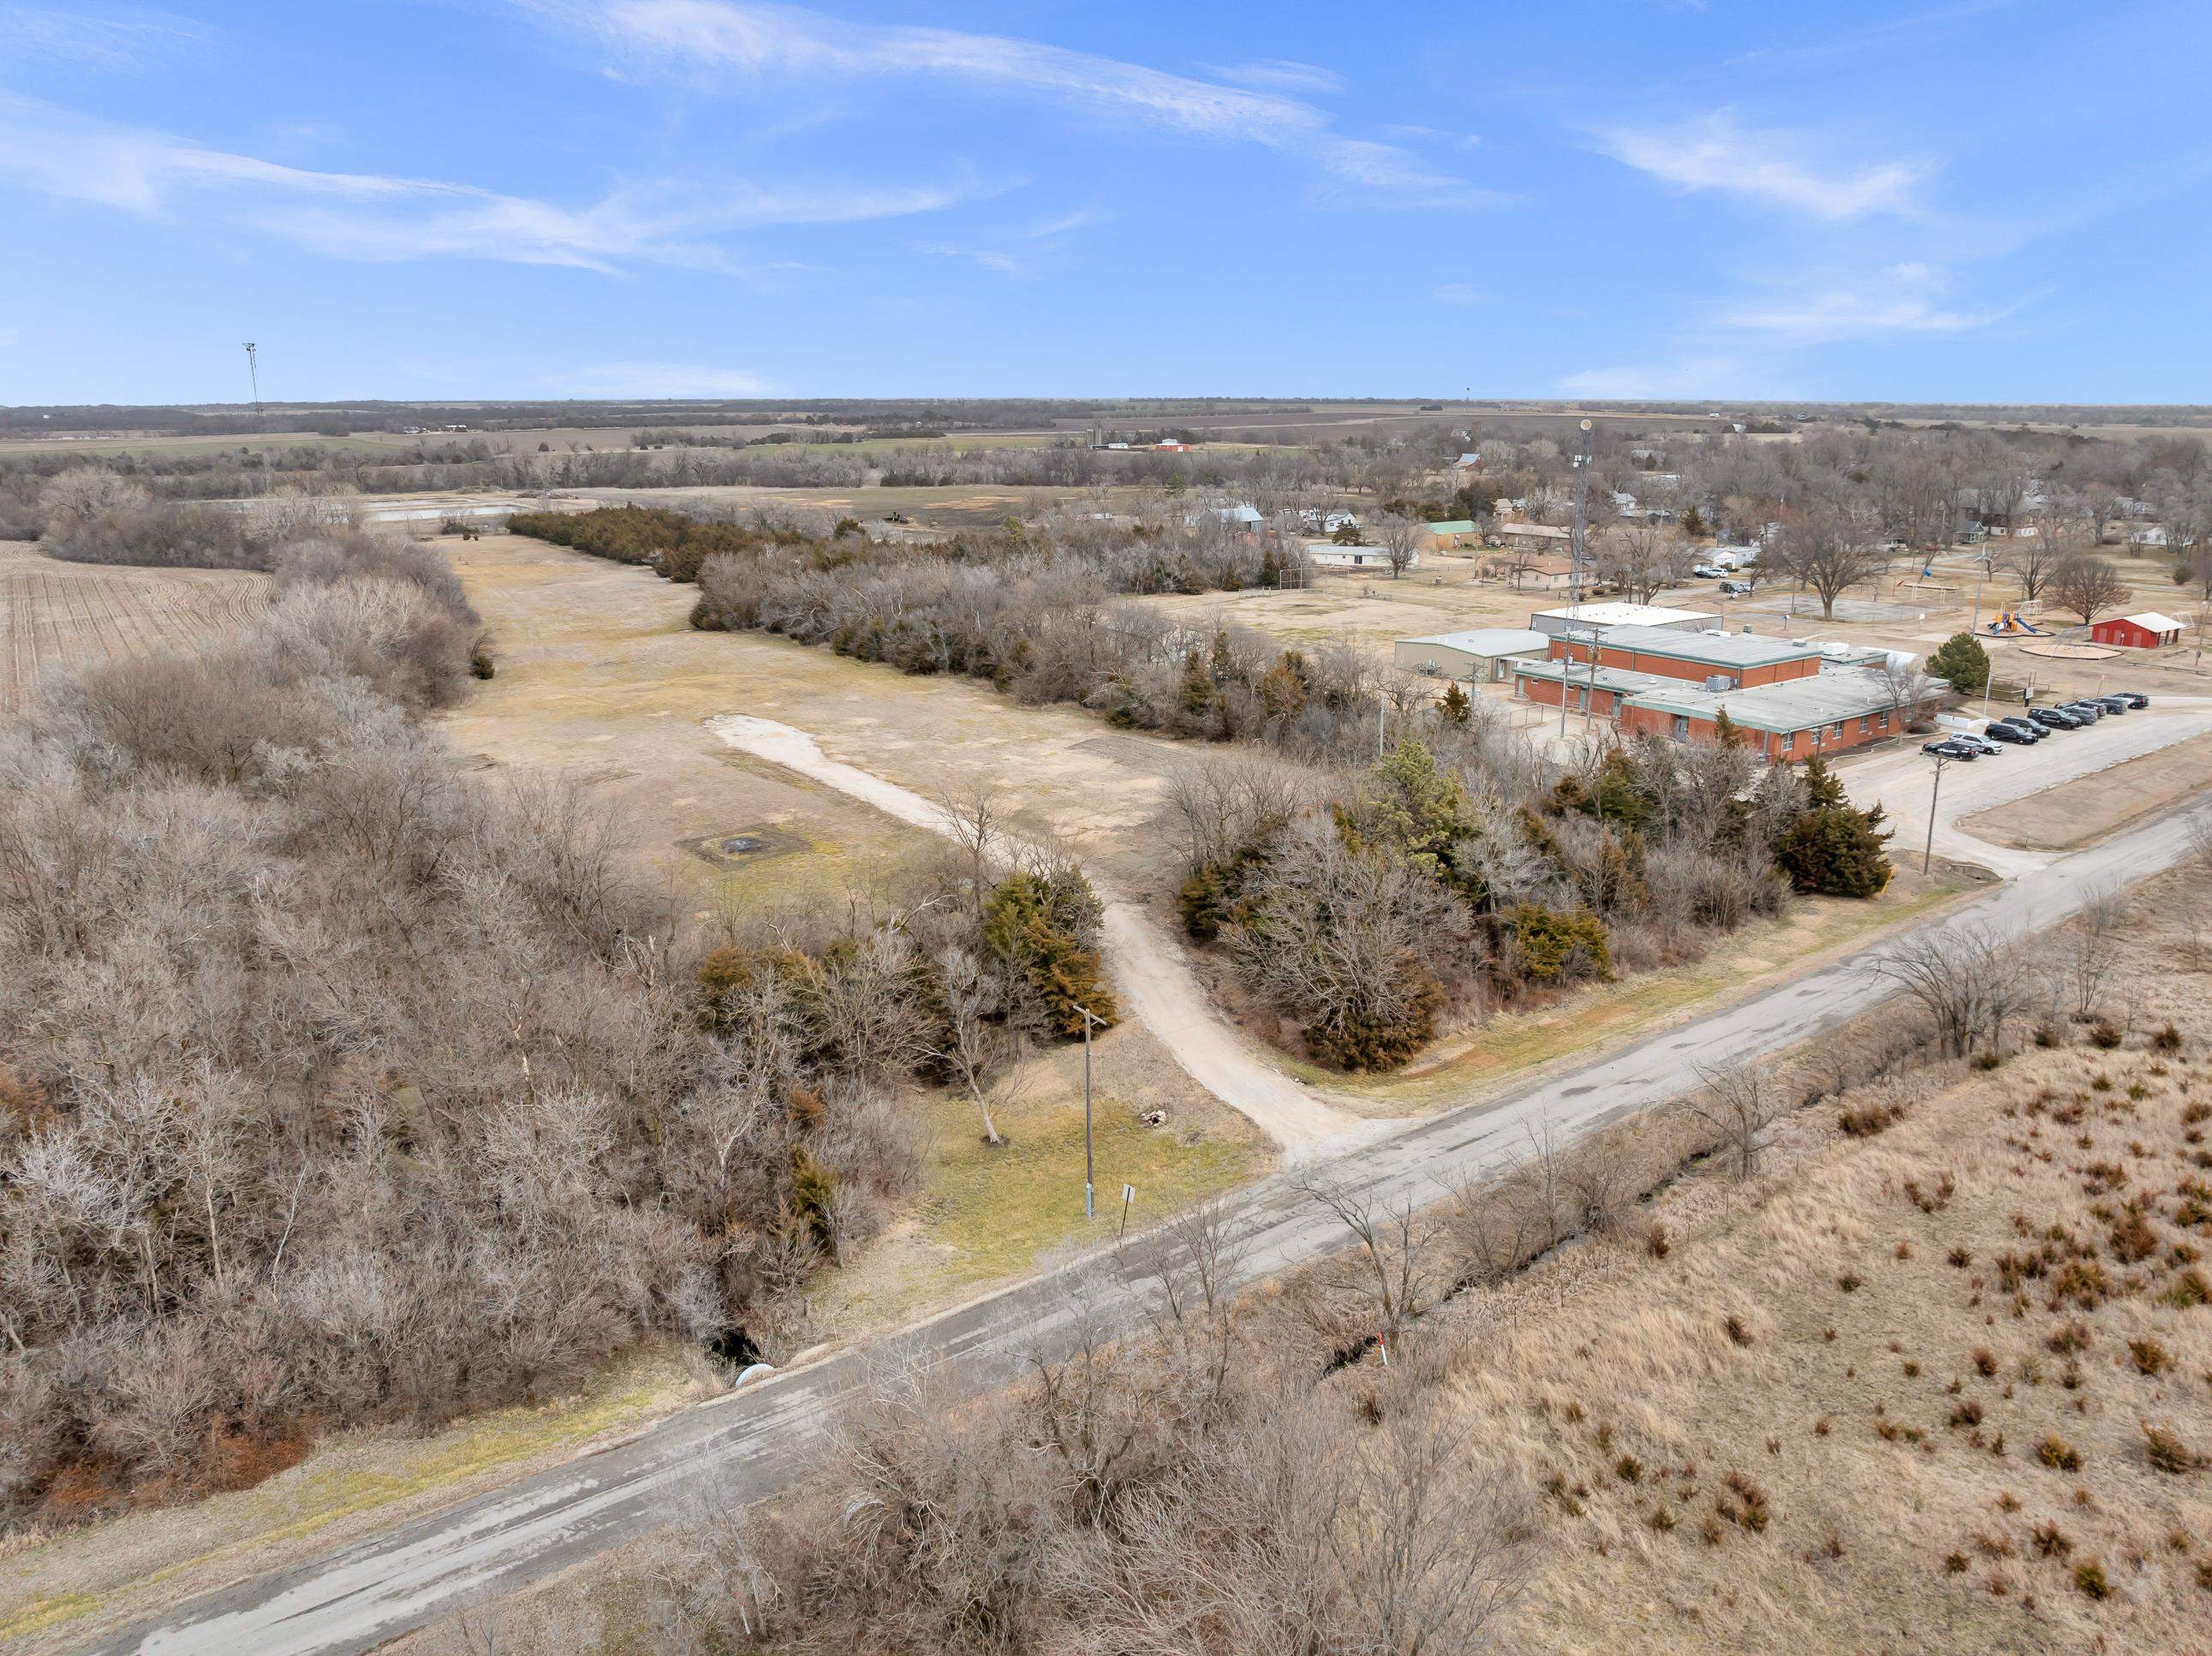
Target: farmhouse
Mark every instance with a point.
(2146, 629)
(1483, 656)
(1541, 574)
(1531, 535)
(1603, 618)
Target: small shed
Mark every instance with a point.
(2146, 629)
(1482, 656)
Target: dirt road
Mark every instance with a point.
(1151, 973)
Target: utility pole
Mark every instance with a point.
(1090, 1187)
(1928, 852)
(260, 425)
(1582, 510)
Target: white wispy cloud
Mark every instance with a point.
(1717, 153)
(657, 379)
(729, 45)
(110, 42)
(1280, 74)
(1684, 377)
(1025, 251)
(1459, 293)
(377, 217)
(1905, 299)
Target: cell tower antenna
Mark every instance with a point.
(253, 368)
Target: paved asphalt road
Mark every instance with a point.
(768, 1435)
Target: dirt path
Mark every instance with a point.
(1151, 973)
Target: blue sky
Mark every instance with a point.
(1996, 200)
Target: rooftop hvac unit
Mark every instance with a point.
(1719, 682)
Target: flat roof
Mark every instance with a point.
(1607, 678)
(1625, 614)
(1488, 640)
(1721, 650)
(1452, 526)
(1795, 704)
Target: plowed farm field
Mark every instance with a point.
(58, 617)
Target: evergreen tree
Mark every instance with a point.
(1196, 694)
(1412, 807)
(1457, 709)
(1724, 731)
(1036, 924)
(1963, 662)
(1832, 848)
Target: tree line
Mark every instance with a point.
(339, 1083)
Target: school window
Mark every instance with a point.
(1866, 722)
(1681, 728)
(1838, 732)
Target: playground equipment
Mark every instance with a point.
(2009, 622)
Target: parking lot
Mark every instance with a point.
(1902, 779)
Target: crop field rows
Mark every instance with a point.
(58, 619)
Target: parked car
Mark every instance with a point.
(1707, 571)
(2055, 718)
(1951, 747)
(1980, 745)
(2023, 724)
(2087, 712)
(1735, 589)
(2111, 704)
(1999, 730)
(2135, 698)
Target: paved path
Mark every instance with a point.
(1151, 975)
(767, 1436)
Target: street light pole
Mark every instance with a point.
(1974, 628)
(1090, 1186)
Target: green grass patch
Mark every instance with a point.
(1001, 1209)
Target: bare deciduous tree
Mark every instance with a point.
(1970, 981)
(1830, 551)
(2086, 585)
(2099, 932)
(1740, 1104)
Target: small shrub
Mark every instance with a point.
(2167, 1452)
(2186, 1291)
(2105, 1035)
(1737, 1332)
(2150, 1357)
(2051, 1541)
(1865, 1121)
(1629, 1469)
(2089, 1578)
(2055, 1452)
(1849, 1281)
(2167, 1039)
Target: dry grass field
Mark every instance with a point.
(2076, 813)
(56, 617)
(1943, 1385)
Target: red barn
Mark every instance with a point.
(2148, 630)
